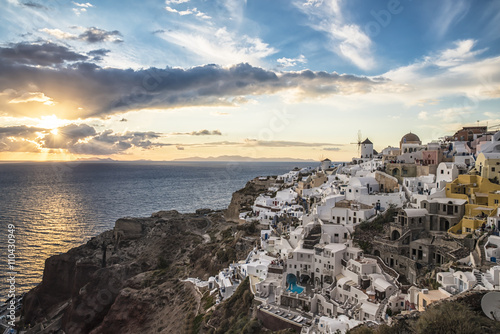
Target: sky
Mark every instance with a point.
(165, 80)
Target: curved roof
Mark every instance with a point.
(410, 137)
(415, 212)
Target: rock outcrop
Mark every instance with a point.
(244, 198)
(135, 287)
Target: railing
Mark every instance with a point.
(385, 268)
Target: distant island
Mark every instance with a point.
(242, 158)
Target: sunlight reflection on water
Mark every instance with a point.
(58, 206)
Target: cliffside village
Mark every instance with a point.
(313, 271)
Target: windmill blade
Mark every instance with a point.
(359, 142)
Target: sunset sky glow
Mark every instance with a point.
(163, 80)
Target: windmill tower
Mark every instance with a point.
(367, 149)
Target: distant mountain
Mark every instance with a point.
(241, 158)
(96, 159)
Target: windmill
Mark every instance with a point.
(358, 142)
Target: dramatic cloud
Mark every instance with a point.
(33, 97)
(67, 136)
(199, 133)
(47, 54)
(32, 4)
(20, 138)
(289, 62)
(219, 45)
(188, 11)
(84, 89)
(109, 142)
(96, 35)
(90, 35)
(347, 39)
(450, 72)
(83, 5)
(75, 138)
(97, 55)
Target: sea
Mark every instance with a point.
(55, 206)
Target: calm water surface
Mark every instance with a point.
(57, 206)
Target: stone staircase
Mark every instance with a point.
(312, 238)
(479, 279)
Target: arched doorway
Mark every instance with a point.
(395, 235)
(291, 279)
(376, 253)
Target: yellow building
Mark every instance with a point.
(427, 297)
(488, 165)
(482, 196)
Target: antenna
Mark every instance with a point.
(490, 303)
(359, 142)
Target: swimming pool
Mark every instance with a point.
(295, 288)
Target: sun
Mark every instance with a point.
(51, 122)
(55, 132)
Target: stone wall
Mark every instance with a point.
(275, 323)
(386, 182)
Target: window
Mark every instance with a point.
(442, 171)
(495, 201)
(492, 169)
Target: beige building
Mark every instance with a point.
(488, 165)
(427, 297)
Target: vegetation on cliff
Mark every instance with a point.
(140, 290)
(460, 316)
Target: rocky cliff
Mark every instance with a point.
(128, 280)
(244, 198)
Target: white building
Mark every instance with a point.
(456, 281)
(492, 146)
(492, 248)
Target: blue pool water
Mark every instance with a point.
(295, 288)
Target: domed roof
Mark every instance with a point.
(410, 137)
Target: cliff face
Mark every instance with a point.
(138, 290)
(244, 198)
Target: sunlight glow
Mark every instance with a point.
(51, 122)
